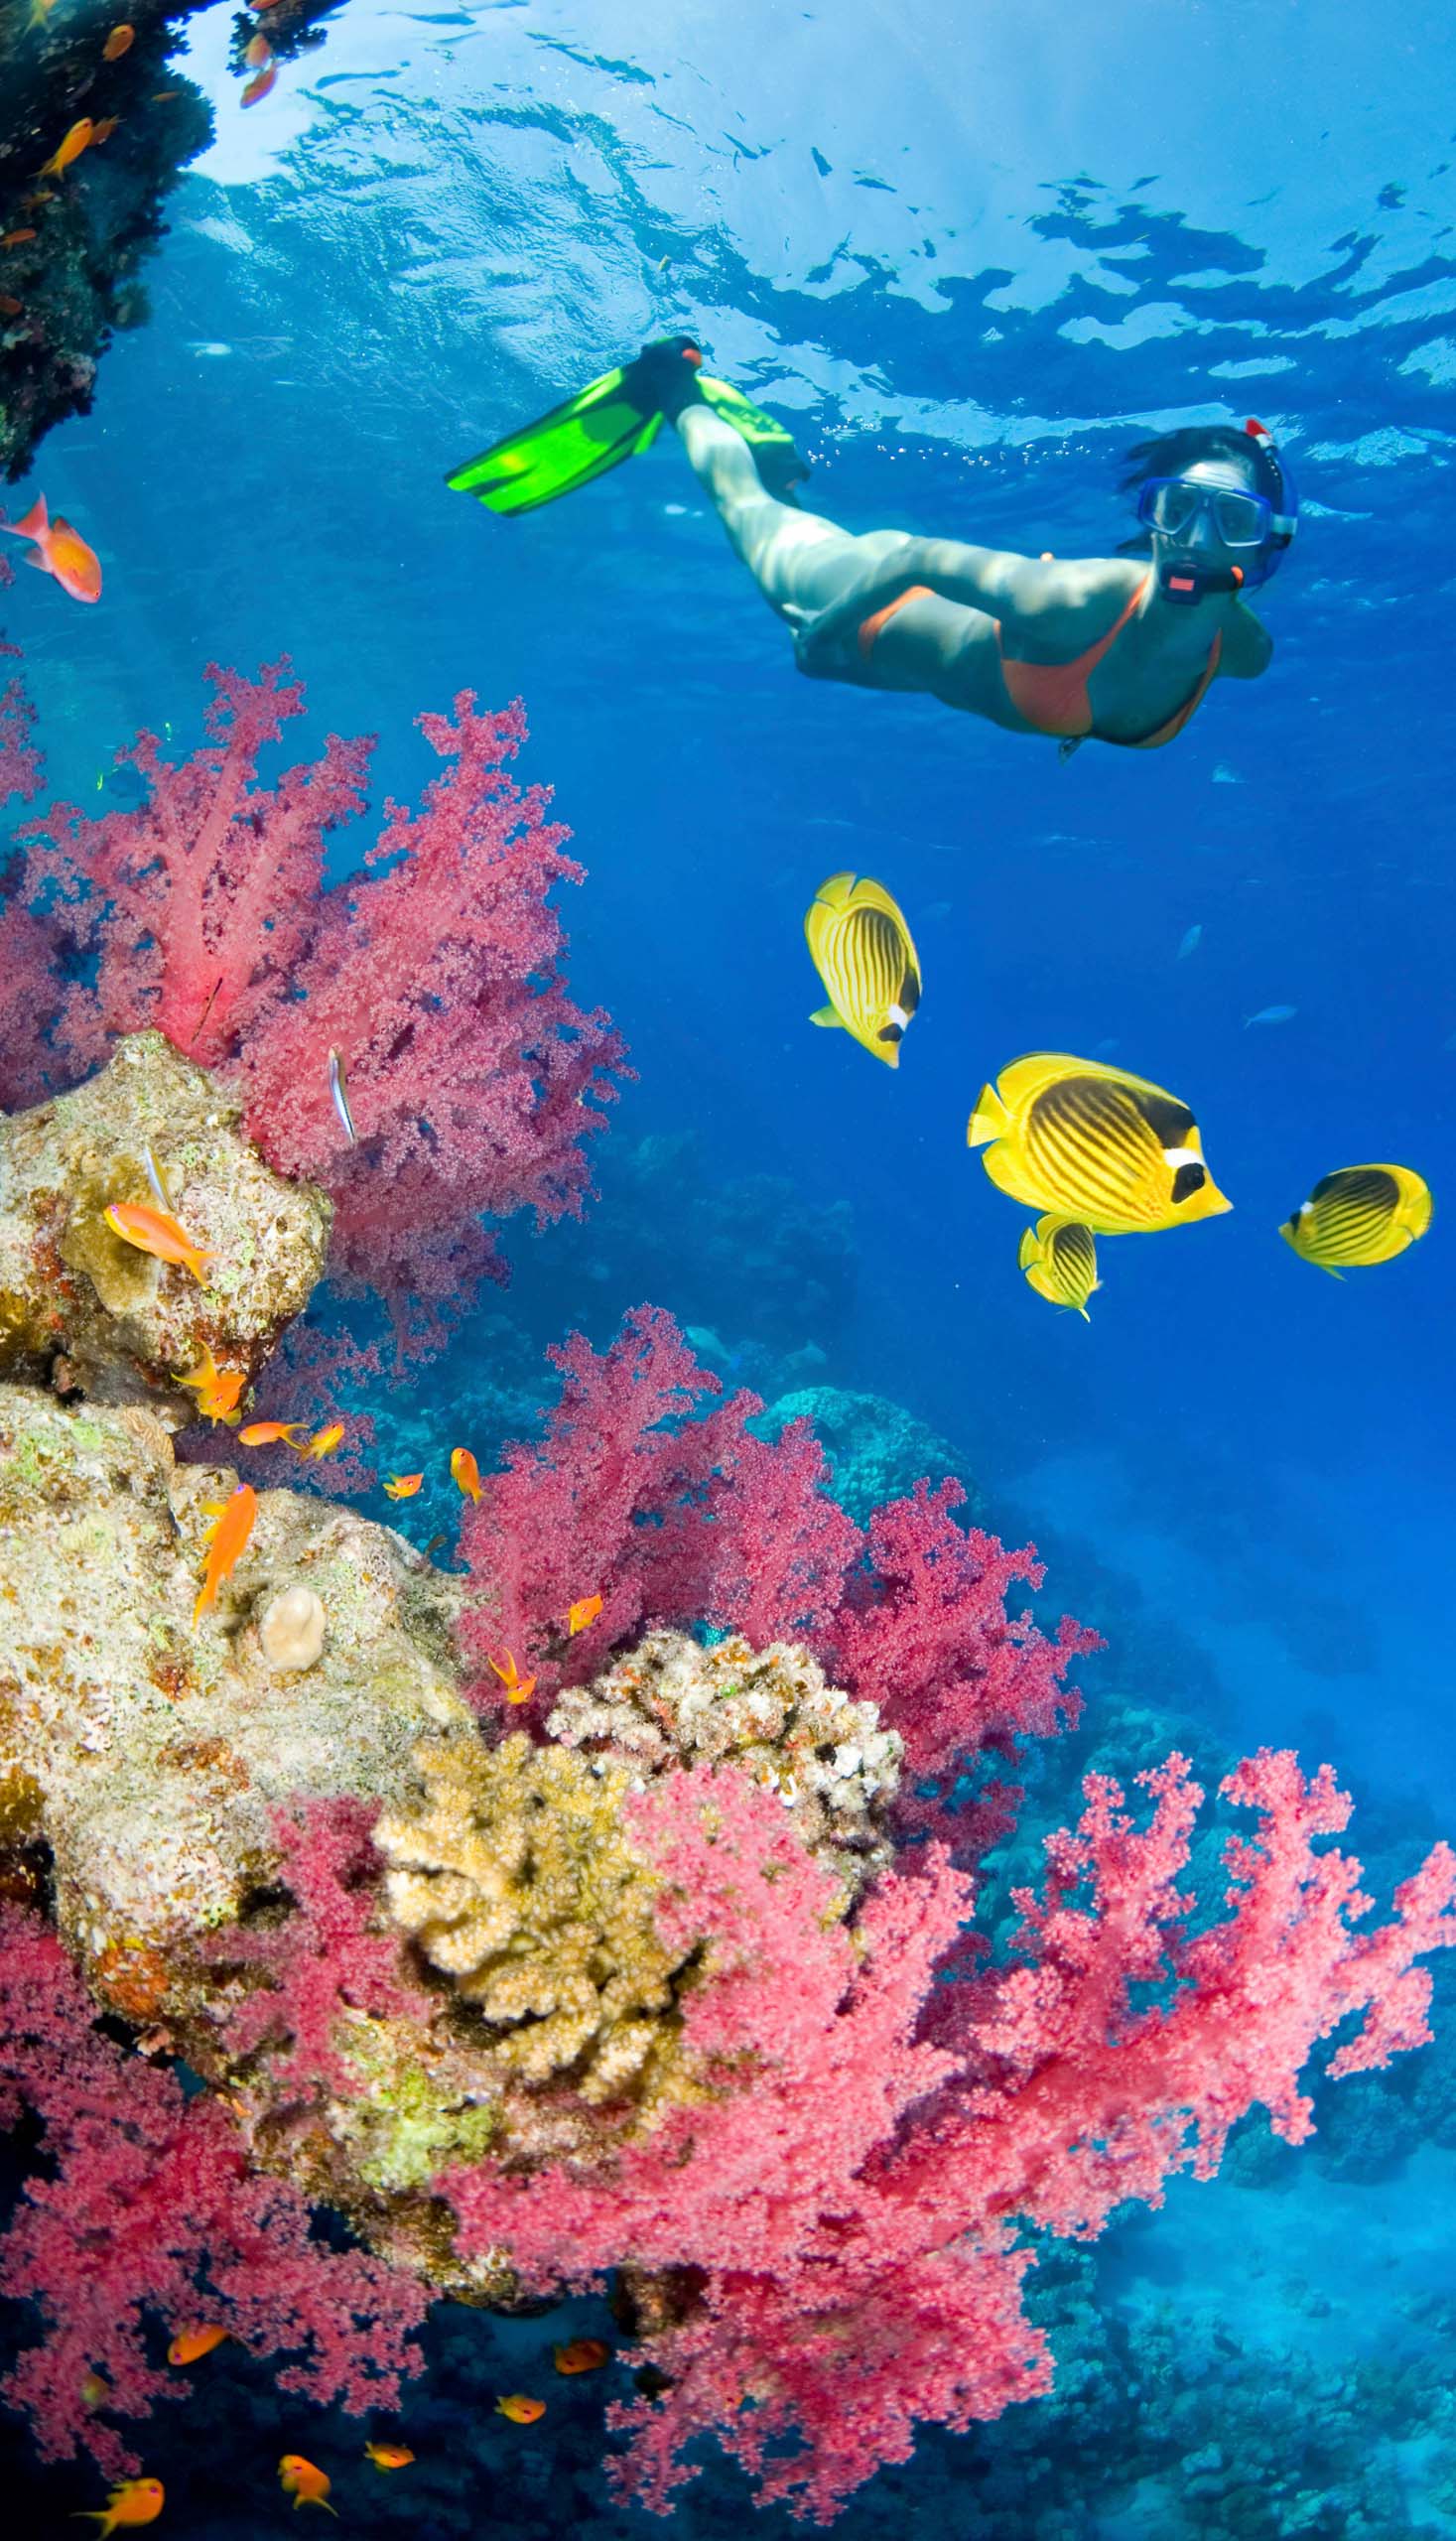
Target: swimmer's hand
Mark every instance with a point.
(816, 650)
(826, 639)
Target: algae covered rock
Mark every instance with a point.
(876, 1450)
(78, 1302)
(148, 1752)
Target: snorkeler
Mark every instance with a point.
(1116, 648)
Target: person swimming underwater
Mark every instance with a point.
(1118, 648)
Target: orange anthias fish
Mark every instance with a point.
(155, 1230)
(257, 90)
(305, 2483)
(104, 130)
(257, 54)
(10, 307)
(79, 138)
(188, 2344)
(521, 2409)
(119, 40)
(232, 1524)
(324, 1442)
(583, 1612)
(389, 2456)
(217, 1388)
(403, 1486)
(467, 1472)
(268, 1433)
(518, 1688)
(59, 551)
(17, 238)
(131, 2503)
(582, 2355)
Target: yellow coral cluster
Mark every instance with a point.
(671, 1702)
(516, 1879)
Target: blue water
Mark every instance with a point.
(968, 266)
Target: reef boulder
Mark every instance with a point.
(80, 1305)
(148, 1752)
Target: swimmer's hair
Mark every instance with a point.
(1173, 454)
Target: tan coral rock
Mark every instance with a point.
(149, 1754)
(515, 1877)
(121, 1322)
(671, 1701)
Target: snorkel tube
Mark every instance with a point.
(1284, 511)
(1185, 580)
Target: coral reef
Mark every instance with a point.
(74, 273)
(769, 1712)
(110, 1320)
(517, 1880)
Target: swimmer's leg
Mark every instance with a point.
(801, 562)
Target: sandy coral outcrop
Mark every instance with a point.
(670, 1702)
(148, 1754)
(78, 1302)
(516, 1879)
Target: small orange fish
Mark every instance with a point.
(257, 90)
(582, 2355)
(217, 1388)
(161, 95)
(518, 1688)
(155, 1230)
(257, 54)
(10, 307)
(583, 1612)
(17, 238)
(188, 2344)
(77, 140)
(232, 1524)
(324, 1442)
(403, 1486)
(104, 130)
(60, 549)
(267, 1433)
(119, 40)
(521, 2409)
(389, 2456)
(467, 1472)
(28, 203)
(131, 2503)
(305, 2483)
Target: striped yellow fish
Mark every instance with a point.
(1092, 1142)
(860, 947)
(1360, 1214)
(1059, 1258)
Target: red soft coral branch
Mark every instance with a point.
(435, 973)
(845, 2207)
(326, 1959)
(153, 2213)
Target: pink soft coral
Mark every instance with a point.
(668, 1515)
(435, 973)
(149, 2207)
(326, 1959)
(846, 2207)
(650, 1492)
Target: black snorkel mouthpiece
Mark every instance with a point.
(1182, 580)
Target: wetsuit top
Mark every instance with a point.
(1052, 696)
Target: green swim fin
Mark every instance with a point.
(604, 424)
(611, 419)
